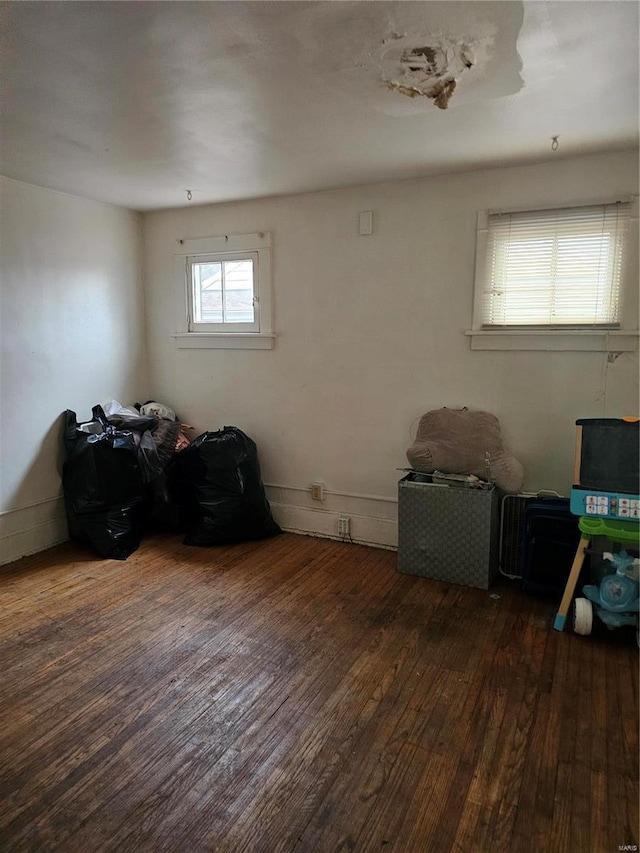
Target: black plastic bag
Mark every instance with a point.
(114, 534)
(103, 488)
(218, 486)
(164, 509)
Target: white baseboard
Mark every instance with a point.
(30, 529)
(373, 520)
(34, 528)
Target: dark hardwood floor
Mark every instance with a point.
(298, 694)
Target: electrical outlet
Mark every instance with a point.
(317, 491)
(344, 525)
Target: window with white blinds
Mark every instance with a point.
(554, 268)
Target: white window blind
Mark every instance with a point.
(554, 268)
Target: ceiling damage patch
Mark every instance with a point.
(406, 59)
(419, 66)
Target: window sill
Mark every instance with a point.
(578, 340)
(224, 340)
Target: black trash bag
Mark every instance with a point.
(218, 486)
(164, 509)
(114, 534)
(140, 430)
(103, 489)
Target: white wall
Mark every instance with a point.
(72, 335)
(371, 335)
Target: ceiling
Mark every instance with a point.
(134, 103)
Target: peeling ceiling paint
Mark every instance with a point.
(429, 67)
(428, 52)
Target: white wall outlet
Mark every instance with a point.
(344, 525)
(317, 491)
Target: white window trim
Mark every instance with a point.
(578, 340)
(259, 243)
(622, 339)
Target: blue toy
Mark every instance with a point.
(616, 599)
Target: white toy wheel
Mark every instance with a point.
(582, 616)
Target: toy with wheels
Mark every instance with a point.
(615, 600)
(625, 533)
(605, 495)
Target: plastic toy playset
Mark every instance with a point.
(606, 496)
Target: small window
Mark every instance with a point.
(223, 293)
(553, 269)
(225, 287)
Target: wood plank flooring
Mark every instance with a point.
(298, 694)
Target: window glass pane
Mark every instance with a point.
(207, 293)
(238, 291)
